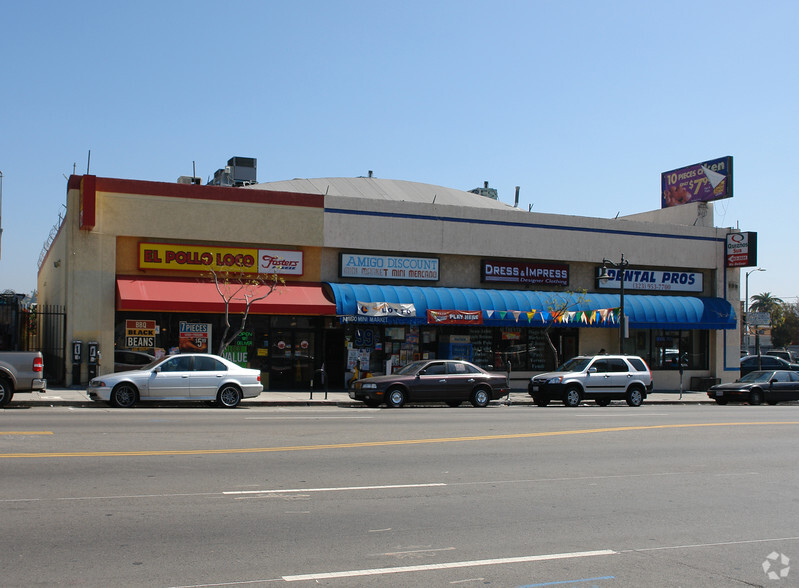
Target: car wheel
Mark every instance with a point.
(124, 395)
(635, 397)
(572, 397)
(6, 391)
(541, 400)
(228, 396)
(396, 398)
(721, 401)
(755, 397)
(453, 403)
(481, 398)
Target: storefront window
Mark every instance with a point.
(665, 350)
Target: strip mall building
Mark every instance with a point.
(383, 272)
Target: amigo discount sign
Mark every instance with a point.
(200, 258)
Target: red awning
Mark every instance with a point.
(179, 295)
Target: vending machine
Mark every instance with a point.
(455, 347)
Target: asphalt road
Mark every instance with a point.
(308, 496)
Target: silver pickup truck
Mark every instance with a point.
(20, 371)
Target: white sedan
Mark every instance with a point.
(188, 376)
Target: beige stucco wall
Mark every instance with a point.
(85, 280)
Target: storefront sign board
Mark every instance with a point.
(455, 317)
(550, 274)
(388, 267)
(201, 258)
(741, 249)
(643, 279)
(386, 309)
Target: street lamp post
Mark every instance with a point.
(603, 275)
(746, 306)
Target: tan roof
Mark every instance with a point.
(382, 189)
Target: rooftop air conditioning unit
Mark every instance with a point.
(189, 180)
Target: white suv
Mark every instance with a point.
(601, 378)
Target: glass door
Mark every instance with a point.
(291, 359)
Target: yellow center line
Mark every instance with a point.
(381, 443)
(26, 432)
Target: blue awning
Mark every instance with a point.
(515, 307)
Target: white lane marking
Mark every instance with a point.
(409, 552)
(446, 566)
(720, 544)
(305, 418)
(334, 489)
(625, 413)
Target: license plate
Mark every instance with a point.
(719, 393)
(535, 388)
(352, 395)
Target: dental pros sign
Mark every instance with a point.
(642, 279)
(741, 249)
(201, 258)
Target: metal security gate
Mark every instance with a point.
(50, 324)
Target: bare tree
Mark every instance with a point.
(246, 288)
(560, 304)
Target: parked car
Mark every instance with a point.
(125, 359)
(188, 376)
(766, 362)
(770, 386)
(785, 354)
(435, 380)
(601, 378)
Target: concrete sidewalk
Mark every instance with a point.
(73, 396)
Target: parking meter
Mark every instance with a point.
(77, 359)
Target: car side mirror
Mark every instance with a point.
(592, 370)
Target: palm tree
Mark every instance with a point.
(765, 302)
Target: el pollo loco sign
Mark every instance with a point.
(200, 258)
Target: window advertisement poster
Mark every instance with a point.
(700, 182)
(238, 351)
(514, 272)
(140, 335)
(194, 337)
(642, 279)
(388, 267)
(741, 249)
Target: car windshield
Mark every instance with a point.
(411, 368)
(757, 377)
(575, 364)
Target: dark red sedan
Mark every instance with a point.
(435, 380)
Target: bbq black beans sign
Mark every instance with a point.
(519, 272)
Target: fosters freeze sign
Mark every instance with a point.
(390, 267)
(200, 258)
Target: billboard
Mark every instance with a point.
(701, 182)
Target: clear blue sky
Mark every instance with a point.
(583, 104)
